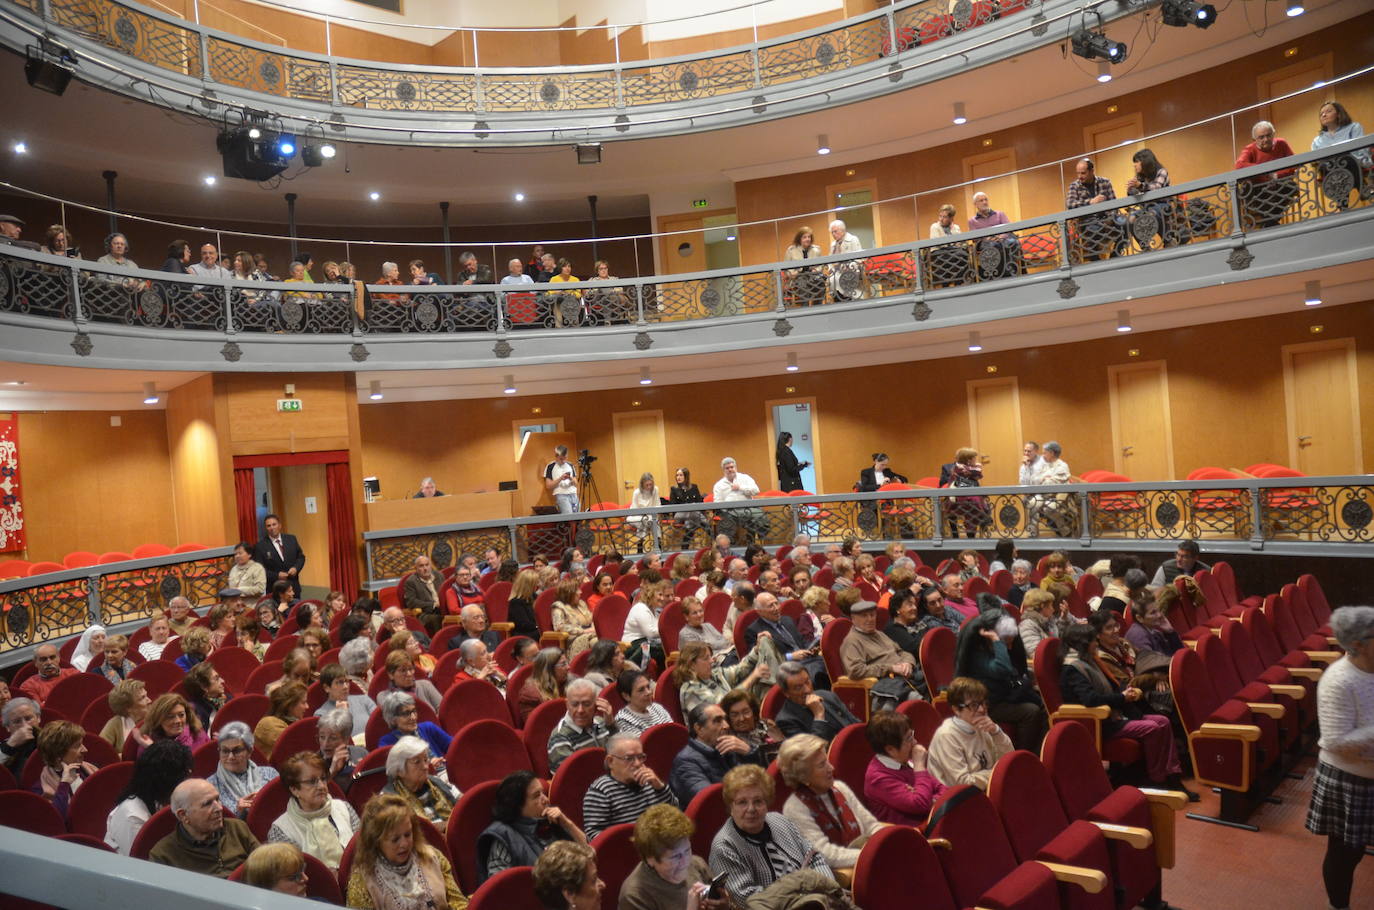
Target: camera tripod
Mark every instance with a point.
(588, 495)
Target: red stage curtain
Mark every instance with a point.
(246, 501)
(343, 546)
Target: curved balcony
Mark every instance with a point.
(148, 54)
(1308, 212)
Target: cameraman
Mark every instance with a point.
(560, 478)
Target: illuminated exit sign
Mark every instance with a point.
(288, 404)
(698, 203)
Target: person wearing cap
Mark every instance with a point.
(10, 228)
(233, 599)
(867, 652)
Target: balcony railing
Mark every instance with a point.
(865, 56)
(1326, 515)
(1225, 209)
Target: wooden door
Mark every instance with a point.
(639, 447)
(1323, 398)
(860, 216)
(1004, 193)
(1292, 117)
(1142, 432)
(686, 252)
(994, 416)
(293, 489)
(1111, 144)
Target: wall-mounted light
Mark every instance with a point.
(536, 410)
(792, 362)
(1104, 71)
(376, 390)
(975, 341)
(150, 395)
(1123, 320)
(510, 385)
(823, 144)
(1316, 329)
(960, 117)
(1133, 352)
(1295, 9)
(374, 196)
(644, 377)
(210, 180)
(992, 368)
(1313, 295)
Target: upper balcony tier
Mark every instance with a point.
(1206, 250)
(169, 61)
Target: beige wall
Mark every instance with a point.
(201, 470)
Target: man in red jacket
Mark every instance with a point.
(1265, 198)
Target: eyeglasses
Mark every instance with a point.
(312, 782)
(406, 712)
(636, 759)
(298, 876)
(973, 706)
(233, 751)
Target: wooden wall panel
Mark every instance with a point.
(201, 469)
(290, 487)
(91, 486)
(256, 427)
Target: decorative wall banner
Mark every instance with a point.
(11, 499)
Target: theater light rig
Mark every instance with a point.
(258, 149)
(1094, 46)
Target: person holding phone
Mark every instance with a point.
(789, 467)
(670, 877)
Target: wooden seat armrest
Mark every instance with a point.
(1268, 709)
(672, 658)
(1140, 838)
(506, 627)
(1090, 880)
(1326, 657)
(1245, 732)
(1292, 690)
(451, 619)
(845, 878)
(849, 682)
(1331, 640)
(940, 843)
(1097, 712)
(1174, 799)
(1312, 673)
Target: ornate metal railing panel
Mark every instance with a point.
(1244, 514)
(48, 606)
(151, 39)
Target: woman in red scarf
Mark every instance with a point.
(825, 810)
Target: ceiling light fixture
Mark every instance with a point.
(960, 118)
(823, 144)
(1104, 71)
(210, 180)
(1095, 45)
(1183, 13)
(150, 395)
(20, 148)
(975, 342)
(1313, 296)
(644, 377)
(792, 362)
(519, 197)
(510, 385)
(588, 152)
(1123, 320)
(1295, 9)
(374, 195)
(376, 390)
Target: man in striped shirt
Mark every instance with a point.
(628, 787)
(587, 724)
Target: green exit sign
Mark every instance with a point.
(698, 203)
(288, 404)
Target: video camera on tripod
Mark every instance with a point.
(584, 460)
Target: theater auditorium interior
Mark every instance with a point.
(406, 364)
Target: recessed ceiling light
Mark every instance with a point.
(150, 393)
(16, 382)
(960, 118)
(1295, 9)
(519, 197)
(210, 180)
(375, 390)
(20, 148)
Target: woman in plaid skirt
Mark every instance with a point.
(1343, 795)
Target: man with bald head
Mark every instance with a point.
(205, 840)
(422, 593)
(786, 637)
(474, 621)
(394, 620)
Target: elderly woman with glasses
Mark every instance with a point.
(403, 719)
(897, 785)
(966, 746)
(238, 778)
(314, 821)
(408, 776)
(825, 810)
(277, 867)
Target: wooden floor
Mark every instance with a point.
(1278, 868)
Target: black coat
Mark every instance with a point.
(789, 470)
(868, 483)
(292, 557)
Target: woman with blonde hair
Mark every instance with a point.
(129, 701)
(573, 617)
(700, 681)
(646, 496)
(407, 643)
(520, 606)
(394, 869)
(545, 682)
(825, 810)
(277, 867)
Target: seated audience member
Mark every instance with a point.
(283, 597)
(931, 613)
(866, 652)
(21, 718)
(1116, 592)
(524, 651)
(288, 705)
(476, 662)
(129, 703)
(338, 694)
(628, 787)
(159, 633)
(545, 682)
(952, 588)
(806, 710)
(269, 620)
(843, 569)
(710, 752)
(403, 719)
(603, 586)
(641, 625)
(406, 643)
(520, 606)
(277, 867)
(587, 723)
(1097, 234)
(422, 593)
(1266, 198)
(314, 822)
(156, 774)
(741, 593)
(334, 734)
(1338, 126)
(1185, 562)
(395, 868)
(699, 681)
(566, 304)
(669, 876)
(641, 711)
(89, 647)
(195, 647)
(394, 621)
(65, 768)
(743, 720)
(696, 628)
(249, 632)
(944, 225)
(50, 672)
(356, 659)
(204, 840)
(1038, 620)
(523, 825)
(785, 641)
(816, 614)
(898, 785)
(170, 717)
(222, 626)
(464, 590)
(409, 775)
(1150, 628)
(1084, 683)
(606, 663)
(966, 746)
(205, 692)
(113, 663)
(238, 778)
(905, 631)
(1059, 571)
(989, 650)
(565, 878)
(1020, 581)
(826, 811)
(763, 856)
(574, 618)
(179, 615)
(419, 274)
(401, 671)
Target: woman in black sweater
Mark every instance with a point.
(789, 468)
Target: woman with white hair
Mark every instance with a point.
(825, 810)
(1343, 794)
(403, 720)
(90, 647)
(846, 278)
(408, 776)
(476, 663)
(238, 778)
(356, 659)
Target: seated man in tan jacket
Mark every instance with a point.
(422, 593)
(867, 652)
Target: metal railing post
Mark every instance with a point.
(1256, 518)
(205, 57)
(937, 533)
(1084, 516)
(45, 10)
(777, 289)
(514, 541)
(77, 313)
(1234, 204)
(479, 101)
(639, 305)
(619, 81)
(93, 600)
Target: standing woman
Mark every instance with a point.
(645, 497)
(1343, 795)
(972, 511)
(683, 492)
(806, 284)
(789, 468)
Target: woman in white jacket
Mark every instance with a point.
(645, 497)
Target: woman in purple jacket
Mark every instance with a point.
(898, 788)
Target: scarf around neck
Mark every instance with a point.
(409, 886)
(319, 837)
(842, 829)
(237, 786)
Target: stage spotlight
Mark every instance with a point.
(286, 145)
(589, 153)
(254, 133)
(1095, 46)
(1183, 13)
(247, 158)
(48, 66)
(317, 155)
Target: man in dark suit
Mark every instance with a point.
(809, 711)
(280, 555)
(786, 636)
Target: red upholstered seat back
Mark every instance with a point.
(249, 708)
(1046, 673)
(539, 726)
(670, 623)
(573, 778)
(236, 665)
(742, 624)
(511, 887)
(367, 786)
(1216, 601)
(1316, 598)
(616, 858)
(831, 638)
(1225, 578)
(1075, 768)
(485, 750)
(1192, 688)
(924, 719)
(159, 676)
(717, 607)
(850, 754)
(1024, 795)
(299, 736)
(159, 825)
(1217, 659)
(937, 658)
(707, 811)
(1241, 647)
(472, 700)
(470, 817)
(92, 802)
(661, 744)
(666, 694)
(980, 853)
(609, 616)
(514, 683)
(71, 695)
(899, 847)
(1262, 636)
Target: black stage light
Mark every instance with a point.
(1093, 45)
(48, 66)
(248, 158)
(1183, 13)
